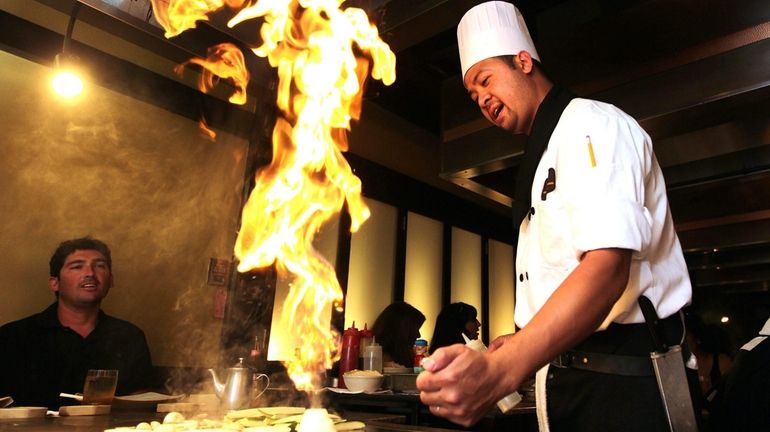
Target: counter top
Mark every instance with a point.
(395, 412)
(129, 418)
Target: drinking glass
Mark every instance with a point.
(99, 388)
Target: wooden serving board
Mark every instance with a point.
(22, 412)
(81, 410)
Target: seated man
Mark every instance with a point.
(50, 352)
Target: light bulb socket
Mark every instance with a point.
(65, 61)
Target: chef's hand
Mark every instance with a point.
(458, 384)
(498, 342)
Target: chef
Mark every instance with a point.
(595, 234)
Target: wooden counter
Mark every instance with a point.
(132, 418)
(396, 412)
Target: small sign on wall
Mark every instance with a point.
(220, 303)
(219, 272)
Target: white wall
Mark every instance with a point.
(372, 265)
(422, 286)
(466, 269)
(501, 289)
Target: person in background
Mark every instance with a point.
(711, 346)
(396, 329)
(452, 322)
(595, 234)
(50, 352)
(742, 398)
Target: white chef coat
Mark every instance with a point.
(609, 194)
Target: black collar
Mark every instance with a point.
(546, 118)
(49, 318)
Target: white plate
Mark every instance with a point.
(22, 412)
(343, 391)
(397, 370)
(148, 398)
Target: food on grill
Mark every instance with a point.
(264, 419)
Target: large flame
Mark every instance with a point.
(313, 44)
(224, 61)
(176, 16)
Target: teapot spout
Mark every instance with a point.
(219, 387)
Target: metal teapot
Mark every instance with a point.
(235, 392)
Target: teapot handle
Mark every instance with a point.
(256, 393)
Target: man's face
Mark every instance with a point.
(84, 280)
(503, 93)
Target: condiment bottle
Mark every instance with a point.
(373, 357)
(420, 352)
(505, 404)
(367, 337)
(256, 354)
(351, 340)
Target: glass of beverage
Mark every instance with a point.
(99, 388)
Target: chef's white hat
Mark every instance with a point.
(492, 29)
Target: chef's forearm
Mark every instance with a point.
(572, 313)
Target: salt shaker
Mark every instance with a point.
(507, 403)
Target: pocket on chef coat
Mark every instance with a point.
(553, 232)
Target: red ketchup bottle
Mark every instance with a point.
(351, 340)
(366, 337)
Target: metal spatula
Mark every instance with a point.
(669, 370)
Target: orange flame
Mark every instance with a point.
(176, 16)
(206, 131)
(313, 44)
(224, 61)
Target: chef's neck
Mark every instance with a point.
(540, 89)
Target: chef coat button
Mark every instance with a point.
(526, 275)
(521, 277)
(532, 210)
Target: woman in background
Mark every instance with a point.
(712, 347)
(455, 320)
(396, 329)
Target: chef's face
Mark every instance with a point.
(504, 92)
(84, 280)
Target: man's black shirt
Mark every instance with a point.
(40, 358)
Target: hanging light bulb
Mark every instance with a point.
(66, 81)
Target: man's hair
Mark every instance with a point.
(65, 248)
(508, 59)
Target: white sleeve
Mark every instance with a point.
(603, 183)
